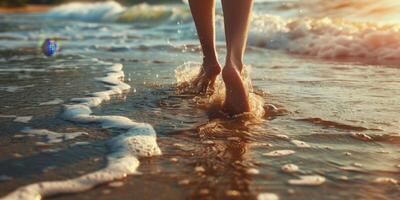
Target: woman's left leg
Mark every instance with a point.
(203, 12)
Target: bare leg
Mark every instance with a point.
(237, 18)
(203, 12)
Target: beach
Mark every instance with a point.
(25, 9)
(112, 114)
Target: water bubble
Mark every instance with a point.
(309, 180)
(290, 168)
(278, 153)
(300, 144)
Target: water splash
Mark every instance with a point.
(186, 73)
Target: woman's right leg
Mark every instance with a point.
(237, 15)
(203, 12)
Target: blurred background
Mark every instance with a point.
(14, 3)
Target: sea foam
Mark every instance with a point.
(99, 11)
(326, 37)
(52, 137)
(14, 88)
(23, 119)
(111, 11)
(147, 13)
(136, 140)
(52, 102)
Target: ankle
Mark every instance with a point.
(211, 66)
(228, 71)
(210, 62)
(235, 63)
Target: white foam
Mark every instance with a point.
(115, 85)
(14, 88)
(300, 144)
(361, 136)
(112, 78)
(90, 101)
(137, 140)
(113, 11)
(116, 67)
(116, 169)
(290, 168)
(327, 38)
(52, 102)
(279, 153)
(51, 136)
(282, 136)
(309, 180)
(80, 143)
(367, 10)
(351, 168)
(23, 119)
(98, 11)
(148, 13)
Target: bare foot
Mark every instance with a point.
(206, 78)
(237, 98)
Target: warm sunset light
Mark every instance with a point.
(200, 99)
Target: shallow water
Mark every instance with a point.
(336, 88)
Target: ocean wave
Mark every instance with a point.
(145, 13)
(327, 38)
(99, 11)
(371, 10)
(112, 11)
(332, 37)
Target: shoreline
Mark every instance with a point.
(31, 8)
